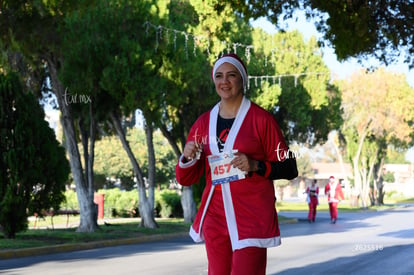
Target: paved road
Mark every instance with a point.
(359, 243)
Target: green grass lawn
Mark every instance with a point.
(410, 200)
(117, 229)
(303, 206)
(343, 205)
(63, 230)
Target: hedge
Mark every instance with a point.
(119, 203)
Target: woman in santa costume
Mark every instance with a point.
(334, 191)
(241, 149)
(312, 200)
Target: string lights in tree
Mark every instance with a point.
(279, 77)
(204, 43)
(198, 41)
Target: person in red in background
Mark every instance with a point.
(334, 192)
(312, 200)
(241, 149)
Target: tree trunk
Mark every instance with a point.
(358, 180)
(188, 204)
(341, 161)
(145, 209)
(86, 205)
(370, 177)
(151, 164)
(88, 144)
(357, 177)
(379, 183)
(91, 159)
(363, 173)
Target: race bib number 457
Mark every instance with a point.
(221, 169)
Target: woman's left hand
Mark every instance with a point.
(244, 163)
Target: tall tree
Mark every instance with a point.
(34, 168)
(383, 29)
(31, 27)
(377, 113)
(290, 79)
(112, 63)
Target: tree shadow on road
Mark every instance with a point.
(103, 252)
(408, 233)
(346, 221)
(369, 259)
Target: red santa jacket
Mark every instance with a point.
(250, 202)
(334, 192)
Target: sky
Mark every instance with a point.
(340, 70)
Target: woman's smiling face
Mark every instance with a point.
(228, 81)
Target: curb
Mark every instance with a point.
(36, 251)
(26, 252)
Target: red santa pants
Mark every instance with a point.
(333, 210)
(222, 260)
(312, 208)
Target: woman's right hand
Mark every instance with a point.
(191, 149)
